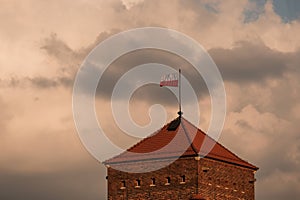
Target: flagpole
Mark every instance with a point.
(179, 88)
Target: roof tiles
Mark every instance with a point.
(184, 141)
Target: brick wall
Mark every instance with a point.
(221, 181)
(212, 179)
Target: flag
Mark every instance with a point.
(169, 80)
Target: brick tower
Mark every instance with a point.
(217, 174)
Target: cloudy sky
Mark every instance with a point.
(255, 44)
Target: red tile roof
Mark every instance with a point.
(183, 141)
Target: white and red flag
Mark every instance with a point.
(169, 80)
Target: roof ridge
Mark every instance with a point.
(189, 139)
(238, 158)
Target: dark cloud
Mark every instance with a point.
(58, 49)
(244, 124)
(136, 58)
(68, 60)
(39, 82)
(43, 82)
(87, 182)
(249, 62)
(245, 63)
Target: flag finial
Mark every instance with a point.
(180, 113)
(179, 88)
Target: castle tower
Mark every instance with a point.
(215, 175)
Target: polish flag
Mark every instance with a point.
(169, 80)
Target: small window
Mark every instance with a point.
(137, 183)
(205, 169)
(234, 187)
(252, 181)
(182, 179)
(152, 182)
(123, 184)
(168, 180)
